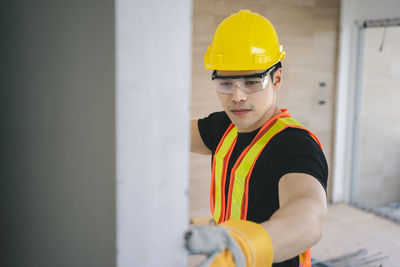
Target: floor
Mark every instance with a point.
(357, 238)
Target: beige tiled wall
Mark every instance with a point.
(308, 31)
(379, 152)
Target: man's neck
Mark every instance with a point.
(270, 114)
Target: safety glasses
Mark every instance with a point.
(247, 83)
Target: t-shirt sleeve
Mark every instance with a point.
(296, 151)
(212, 128)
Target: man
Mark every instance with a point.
(269, 174)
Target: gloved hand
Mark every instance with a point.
(232, 243)
(211, 241)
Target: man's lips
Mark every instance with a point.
(240, 111)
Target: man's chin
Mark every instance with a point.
(241, 122)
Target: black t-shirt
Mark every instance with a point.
(291, 150)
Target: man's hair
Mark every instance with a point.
(277, 66)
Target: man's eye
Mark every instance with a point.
(252, 83)
(225, 84)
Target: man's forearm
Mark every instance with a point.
(295, 227)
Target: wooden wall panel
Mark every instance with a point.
(308, 31)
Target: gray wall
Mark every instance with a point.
(57, 134)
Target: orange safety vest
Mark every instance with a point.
(237, 203)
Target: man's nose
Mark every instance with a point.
(238, 95)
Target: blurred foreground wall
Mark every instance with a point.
(153, 58)
(58, 172)
(95, 133)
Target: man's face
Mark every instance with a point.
(250, 111)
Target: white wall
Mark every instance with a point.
(153, 63)
(57, 176)
(352, 11)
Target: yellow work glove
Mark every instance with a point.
(234, 243)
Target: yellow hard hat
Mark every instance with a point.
(244, 41)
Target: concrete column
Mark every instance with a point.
(153, 69)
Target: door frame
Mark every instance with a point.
(348, 102)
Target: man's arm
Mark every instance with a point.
(197, 145)
(297, 224)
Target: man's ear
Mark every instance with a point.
(277, 81)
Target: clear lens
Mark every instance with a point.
(247, 85)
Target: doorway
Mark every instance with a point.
(375, 178)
